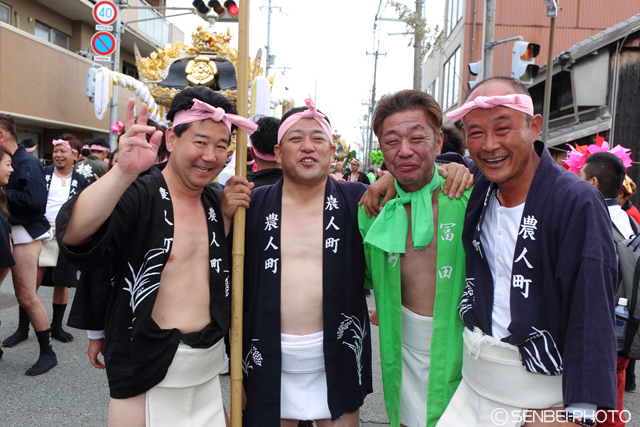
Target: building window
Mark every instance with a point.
(51, 35)
(454, 14)
(433, 89)
(5, 13)
(129, 70)
(451, 85)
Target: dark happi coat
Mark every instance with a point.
(563, 282)
(66, 274)
(27, 194)
(347, 335)
(136, 243)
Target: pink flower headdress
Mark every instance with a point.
(578, 154)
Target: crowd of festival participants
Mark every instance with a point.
(494, 277)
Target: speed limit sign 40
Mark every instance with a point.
(105, 12)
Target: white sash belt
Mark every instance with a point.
(493, 369)
(189, 395)
(494, 384)
(302, 353)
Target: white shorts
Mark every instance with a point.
(303, 390)
(22, 236)
(416, 358)
(495, 388)
(49, 254)
(189, 395)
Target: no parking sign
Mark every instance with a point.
(103, 43)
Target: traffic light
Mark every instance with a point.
(201, 9)
(475, 68)
(522, 66)
(228, 12)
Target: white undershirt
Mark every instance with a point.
(498, 237)
(621, 219)
(58, 195)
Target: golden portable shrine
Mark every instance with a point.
(210, 61)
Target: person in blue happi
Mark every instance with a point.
(541, 275)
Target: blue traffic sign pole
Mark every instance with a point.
(115, 66)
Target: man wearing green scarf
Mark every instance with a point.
(416, 264)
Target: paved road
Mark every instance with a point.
(74, 394)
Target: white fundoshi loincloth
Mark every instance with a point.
(303, 390)
(495, 388)
(49, 254)
(21, 235)
(416, 358)
(189, 395)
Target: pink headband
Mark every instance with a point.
(30, 149)
(64, 144)
(96, 147)
(87, 146)
(202, 111)
(518, 102)
(263, 156)
(311, 113)
(356, 161)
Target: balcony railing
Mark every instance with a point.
(158, 29)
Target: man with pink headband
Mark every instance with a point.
(163, 237)
(354, 175)
(29, 145)
(307, 342)
(62, 182)
(538, 304)
(94, 165)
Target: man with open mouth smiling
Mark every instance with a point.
(541, 275)
(307, 342)
(164, 238)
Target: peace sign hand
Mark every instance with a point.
(136, 155)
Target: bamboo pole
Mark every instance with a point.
(237, 277)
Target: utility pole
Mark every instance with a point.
(115, 66)
(366, 149)
(417, 49)
(552, 12)
(266, 73)
(268, 47)
(372, 106)
(488, 24)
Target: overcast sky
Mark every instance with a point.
(321, 50)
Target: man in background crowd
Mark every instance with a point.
(94, 166)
